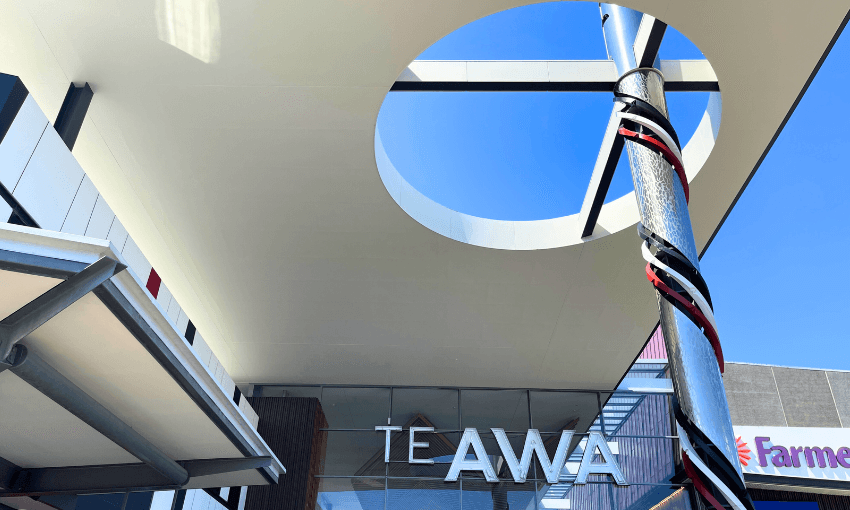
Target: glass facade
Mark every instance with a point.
(355, 476)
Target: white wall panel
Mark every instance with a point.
(49, 182)
(227, 385)
(174, 312)
(202, 349)
(162, 500)
(20, 141)
(81, 208)
(164, 296)
(244, 406)
(101, 220)
(138, 263)
(199, 502)
(213, 366)
(117, 234)
(182, 322)
(218, 373)
(190, 499)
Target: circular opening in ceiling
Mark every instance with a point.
(484, 138)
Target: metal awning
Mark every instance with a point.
(103, 394)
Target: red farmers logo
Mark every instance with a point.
(743, 451)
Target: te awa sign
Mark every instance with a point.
(801, 452)
(554, 469)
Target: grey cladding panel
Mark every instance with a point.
(49, 182)
(752, 395)
(806, 398)
(101, 219)
(840, 384)
(20, 142)
(81, 208)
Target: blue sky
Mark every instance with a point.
(527, 156)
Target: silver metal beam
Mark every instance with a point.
(40, 310)
(603, 172)
(126, 312)
(648, 41)
(554, 75)
(117, 477)
(40, 375)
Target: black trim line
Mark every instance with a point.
(788, 483)
(524, 86)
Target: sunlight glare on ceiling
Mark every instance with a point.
(191, 26)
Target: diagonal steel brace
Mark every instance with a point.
(46, 306)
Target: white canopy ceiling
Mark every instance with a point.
(250, 183)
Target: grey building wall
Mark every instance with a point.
(787, 397)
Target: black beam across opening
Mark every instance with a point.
(501, 86)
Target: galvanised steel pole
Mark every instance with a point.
(708, 443)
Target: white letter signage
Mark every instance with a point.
(481, 462)
(387, 445)
(608, 467)
(413, 444)
(533, 444)
(593, 445)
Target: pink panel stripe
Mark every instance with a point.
(655, 348)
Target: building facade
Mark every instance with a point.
(257, 344)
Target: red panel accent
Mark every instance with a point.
(691, 471)
(154, 281)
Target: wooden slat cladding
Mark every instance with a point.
(824, 501)
(291, 427)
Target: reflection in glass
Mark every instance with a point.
(413, 494)
(480, 495)
(351, 493)
(441, 449)
(356, 408)
(191, 26)
(486, 409)
(436, 406)
(555, 411)
(638, 426)
(354, 454)
(291, 391)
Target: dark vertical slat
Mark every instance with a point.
(73, 113)
(291, 427)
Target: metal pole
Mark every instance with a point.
(40, 375)
(702, 412)
(38, 311)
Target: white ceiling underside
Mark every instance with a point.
(250, 183)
